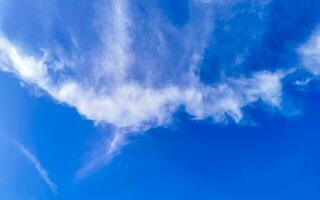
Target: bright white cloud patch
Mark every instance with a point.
(310, 53)
(134, 106)
(145, 69)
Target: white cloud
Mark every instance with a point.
(230, 97)
(310, 53)
(134, 106)
(37, 165)
(111, 92)
(27, 67)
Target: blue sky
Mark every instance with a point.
(185, 99)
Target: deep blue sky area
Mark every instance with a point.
(271, 153)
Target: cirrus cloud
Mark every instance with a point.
(143, 70)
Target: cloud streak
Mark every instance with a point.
(37, 165)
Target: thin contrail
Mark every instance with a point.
(36, 163)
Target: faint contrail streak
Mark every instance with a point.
(36, 163)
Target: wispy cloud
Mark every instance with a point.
(144, 69)
(37, 165)
(133, 87)
(102, 155)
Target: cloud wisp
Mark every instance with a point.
(146, 68)
(143, 71)
(37, 165)
(113, 93)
